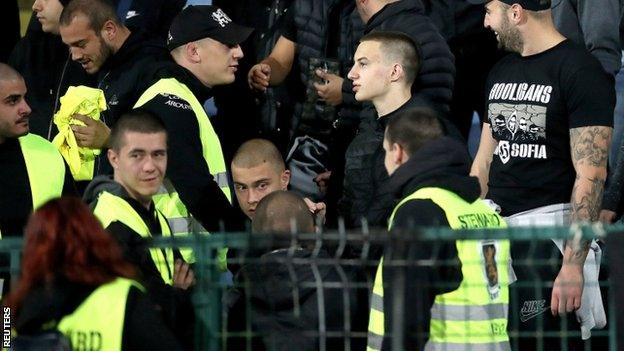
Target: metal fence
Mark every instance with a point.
(312, 291)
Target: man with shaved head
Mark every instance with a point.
(263, 292)
(283, 212)
(32, 171)
(257, 170)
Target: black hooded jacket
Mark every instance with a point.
(289, 298)
(129, 72)
(365, 194)
(435, 79)
(442, 163)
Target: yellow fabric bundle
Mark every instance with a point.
(83, 101)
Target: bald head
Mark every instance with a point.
(8, 73)
(283, 212)
(256, 152)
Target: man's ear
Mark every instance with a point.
(397, 72)
(191, 52)
(109, 31)
(285, 179)
(518, 14)
(113, 158)
(403, 154)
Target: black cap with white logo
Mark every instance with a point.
(205, 21)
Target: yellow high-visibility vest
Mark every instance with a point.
(168, 200)
(45, 168)
(111, 208)
(473, 317)
(97, 324)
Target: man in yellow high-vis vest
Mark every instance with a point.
(442, 309)
(196, 198)
(124, 205)
(32, 171)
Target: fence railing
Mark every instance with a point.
(313, 290)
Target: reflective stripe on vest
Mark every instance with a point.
(45, 168)
(167, 200)
(97, 324)
(474, 315)
(111, 208)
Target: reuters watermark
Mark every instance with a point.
(6, 327)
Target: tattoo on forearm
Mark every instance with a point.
(586, 202)
(579, 252)
(589, 148)
(590, 145)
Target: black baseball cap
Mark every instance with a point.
(531, 5)
(205, 21)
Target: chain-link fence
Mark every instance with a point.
(315, 291)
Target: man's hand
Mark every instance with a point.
(607, 216)
(322, 180)
(183, 276)
(94, 134)
(567, 289)
(259, 77)
(319, 209)
(331, 91)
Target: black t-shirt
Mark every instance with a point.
(532, 103)
(15, 193)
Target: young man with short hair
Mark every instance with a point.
(124, 205)
(124, 62)
(386, 65)
(257, 170)
(263, 294)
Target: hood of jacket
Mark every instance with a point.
(100, 184)
(277, 284)
(391, 10)
(138, 44)
(443, 163)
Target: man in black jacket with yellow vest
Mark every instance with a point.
(138, 154)
(204, 43)
(32, 171)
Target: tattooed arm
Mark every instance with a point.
(589, 148)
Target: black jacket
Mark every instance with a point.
(364, 195)
(48, 70)
(186, 168)
(143, 326)
(442, 163)
(124, 77)
(287, 303)
(435, 79)
(129, 72)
